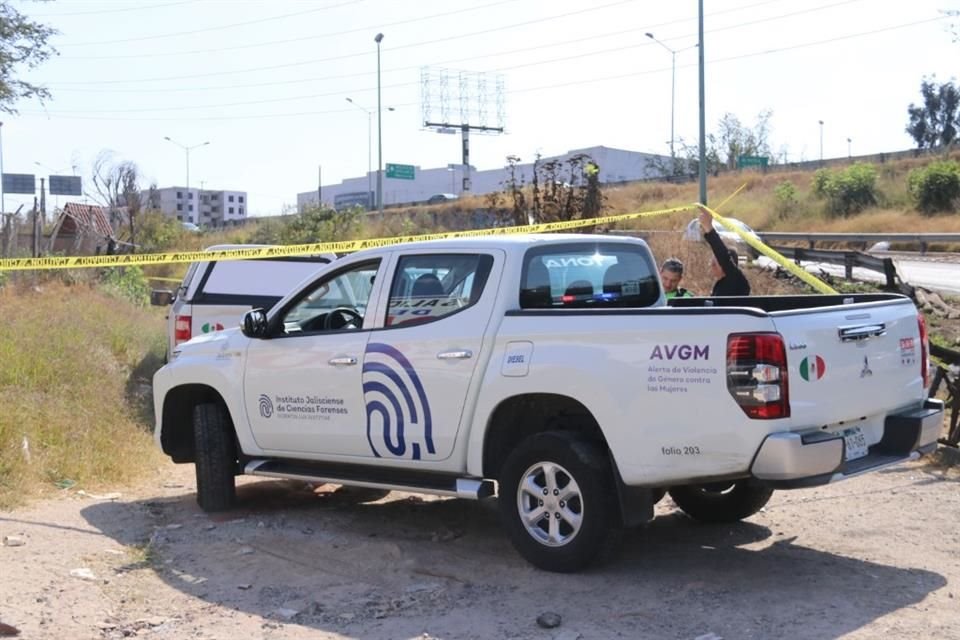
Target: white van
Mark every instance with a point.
(214, 295)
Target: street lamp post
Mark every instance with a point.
(673, 93)
(821, 142)
(369, 144)
(187, 150)
(378, 39)
(849, 148)
(369, 113)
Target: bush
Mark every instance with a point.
(157, 232)
(848, 191)
(936, 187)
(321, 225)
(820, 179)
(128, 283)
(786, 195)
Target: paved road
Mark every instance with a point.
(937, 273)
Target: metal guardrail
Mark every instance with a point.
(849, 260)
(859, 239)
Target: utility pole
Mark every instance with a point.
(320, 186)
(703, 118)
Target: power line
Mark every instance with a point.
(217, 28)
(102, 11)
(314, 36)
(516, 91)
(732, 58)
(575, 56)
(428, 42)
(345, 56)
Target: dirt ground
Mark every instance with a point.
(876, 556)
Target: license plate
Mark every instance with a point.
(856, 443)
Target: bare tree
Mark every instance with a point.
(116, 187)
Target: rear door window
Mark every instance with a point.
(585, 276)
(432, 286)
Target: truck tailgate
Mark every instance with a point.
(851, 362)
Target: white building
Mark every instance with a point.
(616, 165)
(204, 207)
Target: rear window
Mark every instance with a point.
(587, 276)
(257, 277)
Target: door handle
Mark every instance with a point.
(865, 332)
(347, 360)
(455, 355)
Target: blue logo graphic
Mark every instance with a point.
(393, 392)
(266, 406)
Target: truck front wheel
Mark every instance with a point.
(721, 502)
(558, 502)
(216, 457)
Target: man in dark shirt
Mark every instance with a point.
(730, 280)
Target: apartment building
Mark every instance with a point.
(202, 207)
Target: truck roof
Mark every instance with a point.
(517, 241)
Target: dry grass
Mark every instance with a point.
(73, 386)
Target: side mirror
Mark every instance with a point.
(254, 323)
(161, 297)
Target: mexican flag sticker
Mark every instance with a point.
(812, 368)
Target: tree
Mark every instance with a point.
(23, 44)
(116, 187)
(934, 123)
(736, 139)
(732, 140)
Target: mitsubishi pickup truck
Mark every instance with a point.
(215, 294)
(548, 371)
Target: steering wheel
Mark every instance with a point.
(342, 318)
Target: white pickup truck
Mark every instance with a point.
(215, 294)
(548, 370)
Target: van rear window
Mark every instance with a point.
(586, 276)
(257, 277)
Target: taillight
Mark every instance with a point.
(757, 374)
(924, 350)
(181, 329)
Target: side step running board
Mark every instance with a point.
(356, 476)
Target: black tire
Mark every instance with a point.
(588, 467)
(722, 502)
(216, 458)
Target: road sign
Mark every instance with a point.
(65, 186)
(19, 183)
(752, 161)
(401, 171)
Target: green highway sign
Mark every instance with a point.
(752, 161)
(401, 171)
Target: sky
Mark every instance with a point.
(266, 83)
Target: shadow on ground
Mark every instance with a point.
(400, 566)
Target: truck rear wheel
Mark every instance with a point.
(558, 502)
(721, 502)
(216, 457)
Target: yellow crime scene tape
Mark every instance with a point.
(344, 246)
(792, 267)
(349, 246)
